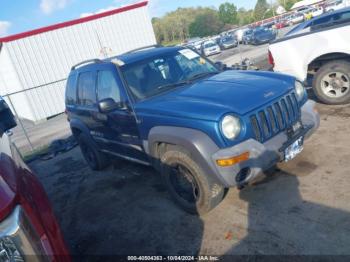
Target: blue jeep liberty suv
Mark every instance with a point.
(204, 127)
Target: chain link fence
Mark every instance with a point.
(34, 136)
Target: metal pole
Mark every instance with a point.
(21, 124)
(240, 52)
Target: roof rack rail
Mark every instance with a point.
(86, 62)
(142, 48)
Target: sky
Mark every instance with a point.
(17, 16)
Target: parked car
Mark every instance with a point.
(303, 10)
(197, 45)
(336, 5)
(28, 228)
(247, 36)
(262, 35)
(210, 48)
(204, 129)
(227, 42)
(325, 20)
(281, 24)
(296, 19)
(317, 11)
(320, 55)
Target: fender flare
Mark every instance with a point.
(200, 146)
(78, 124)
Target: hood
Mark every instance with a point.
(264, 34)
(238, 92)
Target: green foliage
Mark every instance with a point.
(260, 9)
(228, 13)
(205, 24)
(183, 23)
(245, 17)
(287, 4)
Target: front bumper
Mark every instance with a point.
(26, 244)
(229, 45)
(212, 52)
(263, 155)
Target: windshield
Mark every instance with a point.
(158, 74)
(227, 39)
(210, 44)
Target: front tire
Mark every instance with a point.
(188, 185)
(331, 83)
(93, 157)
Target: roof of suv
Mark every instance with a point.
(133, 56)
(128, 58)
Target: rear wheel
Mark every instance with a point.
(94, 158)
(189, 186)
(332, 83)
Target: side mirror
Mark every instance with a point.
(108, 104)
(7, 120)
(221, 66)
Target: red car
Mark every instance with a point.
(28, 228)
(281, 24)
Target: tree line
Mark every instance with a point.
(185, 23)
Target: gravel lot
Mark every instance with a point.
(303, 208)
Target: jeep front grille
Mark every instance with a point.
(275, 118)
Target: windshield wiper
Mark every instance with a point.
(197, 76)
(173, 85)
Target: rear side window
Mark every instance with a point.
(86, 89)
(71, 90)
(107, 86)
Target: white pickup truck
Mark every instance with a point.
(321, 53)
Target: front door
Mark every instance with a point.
(119, 127)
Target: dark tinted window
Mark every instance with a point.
(71, 90)
(86, 89)
(322, 20)
(330, 20)
(107, 86)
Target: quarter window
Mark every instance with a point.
(71, 90)
(86, 89)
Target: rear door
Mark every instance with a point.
(86, 103)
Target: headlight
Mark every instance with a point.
(8, 251)
(230, 126)
(300, 90)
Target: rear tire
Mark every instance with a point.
(188, 185)
(94, 158)
(331, 83)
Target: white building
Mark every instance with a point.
(39, 61)
(304, 3)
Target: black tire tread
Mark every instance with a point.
(208, 199)
(102, 160)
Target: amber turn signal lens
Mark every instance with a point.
(233, 160)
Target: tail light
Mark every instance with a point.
(271, 60)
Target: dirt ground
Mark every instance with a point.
(303, 208)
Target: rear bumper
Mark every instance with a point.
(209, 53)
(263, 155)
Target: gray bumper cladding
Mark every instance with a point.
(262, 156)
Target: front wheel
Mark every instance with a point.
(331, 83)
(189, 186)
